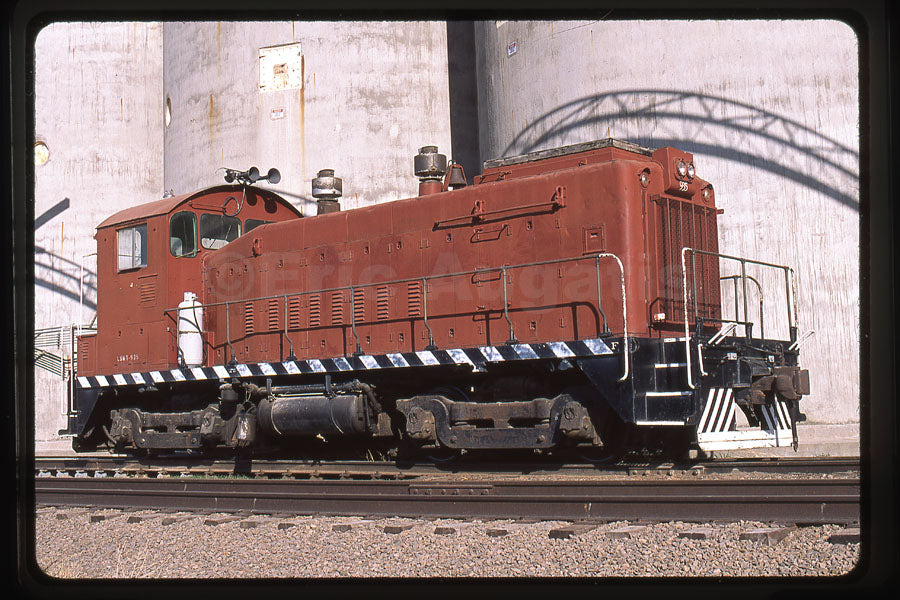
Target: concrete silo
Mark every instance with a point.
(98, 136)
(356, 97)
(770, 111)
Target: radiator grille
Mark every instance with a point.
(337, 308)
(274, 310)
(685, 225)
(249, 326)
(382, 297)
(414, 295)
(359, 306)
(315, 310)
(295, 313)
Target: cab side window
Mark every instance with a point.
(132, 245)
(251, 224)
(218, 230)
(183, 234)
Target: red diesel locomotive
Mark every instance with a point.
(570, 298)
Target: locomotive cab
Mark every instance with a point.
(149, 256)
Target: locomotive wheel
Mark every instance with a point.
(443, 455)
(613, 433)
(677, 445)
(92, 439)
(438, 454)
(452, 392)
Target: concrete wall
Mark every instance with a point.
(777, 137)
(373, 94)
(98, 110)
(770, 111)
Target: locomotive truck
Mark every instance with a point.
(572, 298)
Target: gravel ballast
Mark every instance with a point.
(77, 544)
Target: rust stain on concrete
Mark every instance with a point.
(302, 98)
(211, 122)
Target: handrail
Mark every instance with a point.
(473, 272)
(762, 325)
(790, 285)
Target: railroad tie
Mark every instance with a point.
(99, 518)
(697, 533)
(252, 523)
(62, 516)
(850, 535)
(395, 529)
(173, 520)
(452, 529)
(215, 521)
(624, 533)
(770, 535)
(141, 518)
(573, 530)
(507, 528)
(341, 527)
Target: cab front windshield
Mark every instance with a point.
(218, 230)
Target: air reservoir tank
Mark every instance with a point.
(190, 331)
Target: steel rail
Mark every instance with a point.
(807, 501)
(91, 464)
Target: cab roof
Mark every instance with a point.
(169, 205)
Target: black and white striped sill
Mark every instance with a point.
(475, 358)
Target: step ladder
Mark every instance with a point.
(669, 379)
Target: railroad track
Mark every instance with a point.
(91, 466)
(574, 492)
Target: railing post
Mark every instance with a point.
(178, 357)
(353, 320)
(228, 333)
(599, 300)
(291, 356)
(748, 326)
(72, 365)
(687, 337)
(790, 294)
(430, 345)
(512, 336)
(694, 288)
(737, 310)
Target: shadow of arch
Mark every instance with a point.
(710, 118)
(48, 285)
(61, 269)
(66, 277)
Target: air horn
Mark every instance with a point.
(251, 176)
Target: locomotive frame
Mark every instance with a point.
(453, 354)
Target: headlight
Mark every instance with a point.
(681, 167)
(690, 170)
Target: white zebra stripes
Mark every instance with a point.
(472, 357)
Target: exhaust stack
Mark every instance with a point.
(430, 167)
(327, 189)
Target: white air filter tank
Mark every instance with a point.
(190, 331)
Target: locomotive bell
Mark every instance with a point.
(457, 177)
(326, 189)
